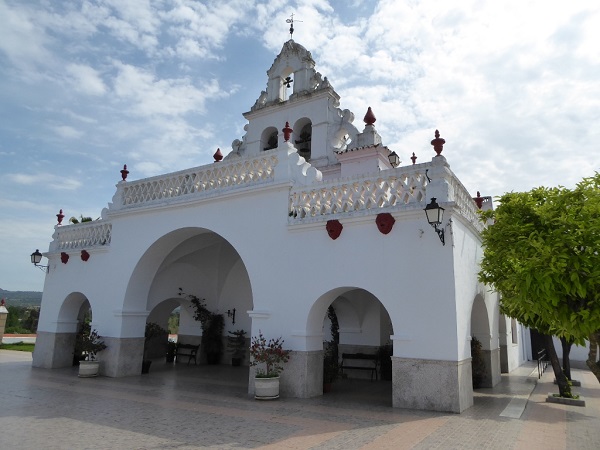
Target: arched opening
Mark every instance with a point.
(286, 79)
(303, 137)
(357, 349)
(485, 356)
(191, 263)
(75, 317)
(268, 139)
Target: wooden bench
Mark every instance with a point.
(350, 360)
(187, 350)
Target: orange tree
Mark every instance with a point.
(541, 255)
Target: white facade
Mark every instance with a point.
(251, 233)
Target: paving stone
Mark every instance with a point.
(203, 407)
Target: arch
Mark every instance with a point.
(486, 358)
(198, 261)
(72, 310)
(303, 137)
(480, 323)
(269, 138)
(283, 82)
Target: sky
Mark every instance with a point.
(87, 86)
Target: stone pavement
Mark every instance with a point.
(208, 407)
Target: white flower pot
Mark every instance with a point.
(266, 388)
(89, 368)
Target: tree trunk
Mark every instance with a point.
(564, 388)
(566, 351)
(592, 355)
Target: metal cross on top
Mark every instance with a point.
(291, 22)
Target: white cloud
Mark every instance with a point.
(85, 79)
(149, 96)
(47, 180)
(67, 132)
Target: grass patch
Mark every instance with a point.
(19, 346)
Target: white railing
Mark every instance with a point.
(82, 235)
(465, 203)
(199, 181)
(401, 186)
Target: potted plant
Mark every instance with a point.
(385, 353)
(236, 344)
(331, 365)
(213, 325)
(171, 350)
(90, 343)
(271, 355)
(153, 330)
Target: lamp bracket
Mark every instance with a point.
(231, 313)
(43, 268)
(440, 232)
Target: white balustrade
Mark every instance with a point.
(401, 186)
(84, 235)
(465, 203)
(196, 182)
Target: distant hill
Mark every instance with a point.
(21, 298)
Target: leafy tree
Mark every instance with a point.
(541, 255)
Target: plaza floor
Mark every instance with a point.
(208, 407)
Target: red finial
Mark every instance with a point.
(438, 143)
(218, 155)
(60, 216)
(414, 158)
(478, 200)
(369, 117)
(287, 132)
(2, 302)
(124, 172)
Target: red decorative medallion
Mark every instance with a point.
(385, 222)
(85, 255)
(64, 257)
(334, 229)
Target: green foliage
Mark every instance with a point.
(270, 353)
(22, 320)
(331, 366)
(478, 370)
(236, 343)
(89, 342)
(541, 255)
(19, 346)
(173, 325)
(152, 331)
(212, 327)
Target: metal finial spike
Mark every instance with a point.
(291, 22)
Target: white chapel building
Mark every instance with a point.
(306, 211)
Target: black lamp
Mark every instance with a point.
(394, 159)
(36, 257)
(435, 214)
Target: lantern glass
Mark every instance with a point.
(435, 212)
(36, 257)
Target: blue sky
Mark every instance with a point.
(88, 86)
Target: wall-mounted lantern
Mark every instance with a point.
(435, 214)
(36, 257)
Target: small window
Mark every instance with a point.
(269, 139)
(303, 144)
